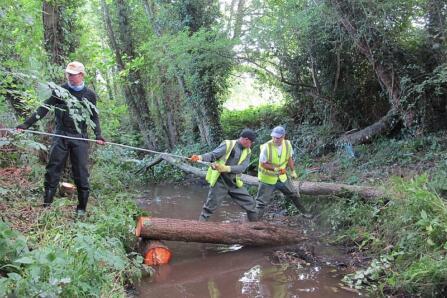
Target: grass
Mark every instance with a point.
(59, 255)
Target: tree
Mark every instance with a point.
(123, 46)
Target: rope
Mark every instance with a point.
(12, 130)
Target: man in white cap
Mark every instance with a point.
(61, 148)
(275, 157)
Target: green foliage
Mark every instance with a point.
(20, 34)
(80, 258)
(115, 169)
(164, 172)
(370, 276)
(12, 245)
(267, 116)
(408, 231)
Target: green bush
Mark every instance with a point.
(75, 259)
(408, 232)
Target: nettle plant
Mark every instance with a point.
(79, 110)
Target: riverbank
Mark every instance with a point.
(397, 243)
(51, 251)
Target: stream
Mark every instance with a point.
(211, 270)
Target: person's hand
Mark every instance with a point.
(100, 140)
(195, 158)
(221, 168)
(280, 171)
(293, 174)
(21, 127)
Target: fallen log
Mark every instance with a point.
(154, 252)
(250, 234)
(304, 187)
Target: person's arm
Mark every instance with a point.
(41, 112)
(291, 164)
(215, 154)
(263, 159)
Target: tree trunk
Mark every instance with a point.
(253, 233)
(383, 126)
(238, 22)
(53, 32)
(134, 91)
(304, 187)
(385, 74)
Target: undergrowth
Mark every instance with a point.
(60, 255)
(406, 234)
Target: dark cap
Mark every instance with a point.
(249, 134)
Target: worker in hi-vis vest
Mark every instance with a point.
(228, 161)
(275, 157)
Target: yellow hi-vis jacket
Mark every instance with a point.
(212, 175)
(269, 176)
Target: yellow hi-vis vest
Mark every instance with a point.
(269, 176)
(213, 175)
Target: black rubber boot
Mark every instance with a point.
(252, 216)
(48, 196)
(82, 200)
(203, 218)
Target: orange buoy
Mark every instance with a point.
(156, 253)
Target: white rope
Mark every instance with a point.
(12, 130)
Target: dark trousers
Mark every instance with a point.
(265, 195)
(218, 193)
(59, 152)
(78, 152)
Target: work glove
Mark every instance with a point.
(195, 158)
(280, 171)
(100, 140)
(221, 168)
(293, 174)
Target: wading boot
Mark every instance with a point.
(82, 201)
(252, 216)
(203, 218)
(303, 210)
(48, 196)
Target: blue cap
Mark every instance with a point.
(278, 132)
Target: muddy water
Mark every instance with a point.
(220, 271)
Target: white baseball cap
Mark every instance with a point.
(278, 132)
(75, 67)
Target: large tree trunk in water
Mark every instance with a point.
(304, 187)
(253, 234)
(385, 75)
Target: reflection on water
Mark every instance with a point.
(218, 271)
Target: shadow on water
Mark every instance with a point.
(210, 270)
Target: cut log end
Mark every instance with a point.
(140, 224)
(67, 189)
(155, 253)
